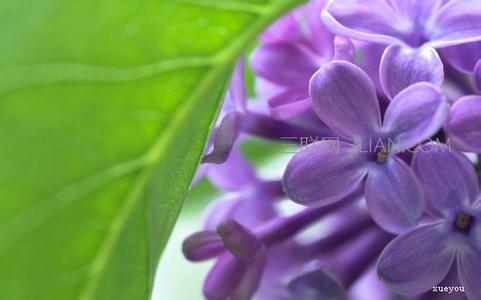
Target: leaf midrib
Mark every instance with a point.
(220, 63)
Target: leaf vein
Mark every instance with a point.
(24, 76)
(229, 5)
(22, 224)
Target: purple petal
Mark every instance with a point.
(418, 11)
(416, 261)
(402, 66)
(285, 29)
(343, 49)
(303, 25)
(291, 103)
(463, 57)
(202, 245)
(464, 123)
(469, 269)
(248, 210)
(318, 37)
(477, 75)
(238, 240)
(457, 22)
(393, 196)
(223, 177)
(359, 292)
(224, 277)
(264, 90)
(220, 210)
(251, 278)
(345, 99)
(324, 172)
(224, 138)
(237, 89)
(373, 20)
(414, 115)
(351, 259)
(316, 284)
(447, 176)
(284, 63)
(369, 59)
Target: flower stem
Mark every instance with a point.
(267, 127)
(283, 228)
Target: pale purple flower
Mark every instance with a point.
(463, 127)
(241, 252)
(413, 29)
(248, 237)
(344, 98)
(291, 51)
(416, 261)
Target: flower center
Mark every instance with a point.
(463, 222)
(382, 155)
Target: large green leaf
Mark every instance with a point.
(105, 107)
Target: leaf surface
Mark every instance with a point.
(105, 108)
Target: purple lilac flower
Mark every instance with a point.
(416, 261)
(344, 98)
(241, 253)
(248, 237)
(291, 51)
(360, 177)
(463, 126)
(413, 29)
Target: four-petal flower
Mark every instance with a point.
(413, 29)
(416, 261)
(344, 98)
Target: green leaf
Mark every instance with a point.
(105, 108)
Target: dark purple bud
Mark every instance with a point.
(239, 241)
(234, 278)
(251, 277)
(224, 277)
(202, 245)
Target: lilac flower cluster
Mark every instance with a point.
(389, 195)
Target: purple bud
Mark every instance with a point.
(202, 245)
(239, 241)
